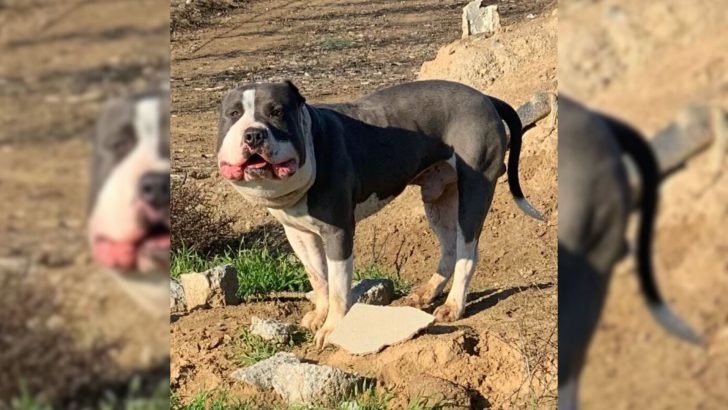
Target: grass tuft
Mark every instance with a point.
(334, 43)
(215, 400)
(259, 271)
(251, 349)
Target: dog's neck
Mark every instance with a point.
(277, 194)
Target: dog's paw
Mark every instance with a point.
(313, 320)
(419, 297)
(322, 335)
(448, 312)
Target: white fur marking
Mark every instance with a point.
(340, 273)
(467, 257)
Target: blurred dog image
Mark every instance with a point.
(595, 203)
(129, 222)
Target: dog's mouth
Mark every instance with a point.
(148, 253)
(258, 167)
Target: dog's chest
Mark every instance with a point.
(297, 217)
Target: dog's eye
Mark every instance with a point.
(276, 112)
(234, 114)
(122, 142)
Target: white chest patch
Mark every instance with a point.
(370, 206)
(296, 216)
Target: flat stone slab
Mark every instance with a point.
(368, 329)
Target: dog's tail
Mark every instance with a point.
(636, 147)
(510, 116)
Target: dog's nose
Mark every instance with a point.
(154, 189)
(254, 137)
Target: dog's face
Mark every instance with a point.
(262, 135)
(129, 224)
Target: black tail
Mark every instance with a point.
(636, 147)
(510, 116)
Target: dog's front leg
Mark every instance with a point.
(338, 244)
(309, 248)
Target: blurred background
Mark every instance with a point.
(646, 62)
(69, 336)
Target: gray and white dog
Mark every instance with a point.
(320, 169)
(129, 198)
(595, 202)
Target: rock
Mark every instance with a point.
(430, 390)
(261, 374)
(479, 19)
(224, 283)
(369, 291)
(271, 330)
(196, 289)
(368, 329)
(216, 287)
(306, 383)
(373, 291)
(299, 383)
(177, 303)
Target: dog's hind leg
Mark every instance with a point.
(442, 214)
(475, 194)
(310, 250)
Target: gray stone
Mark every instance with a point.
(224, 284)
(369, 291)
(261, 374)
(306, 383)
(177, 303)
(373, 292)
(273, 330)
(300, 383)
(480, 19)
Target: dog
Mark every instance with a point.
(595, 202)
(321, 168)
(129, 217)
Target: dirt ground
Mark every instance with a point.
(66, 328)
(503, 352)
(644, 62)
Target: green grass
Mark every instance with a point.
(217, 400)
(330, 43)
(369, 399)
(259, 271)
(134, 399)
(375, 271)
(251, 349)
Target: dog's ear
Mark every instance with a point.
(295, 91)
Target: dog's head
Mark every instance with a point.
(129, 223)
(264, 146)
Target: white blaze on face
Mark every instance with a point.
(114, 215)
(231, 150)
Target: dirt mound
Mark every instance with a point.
(511, 65)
